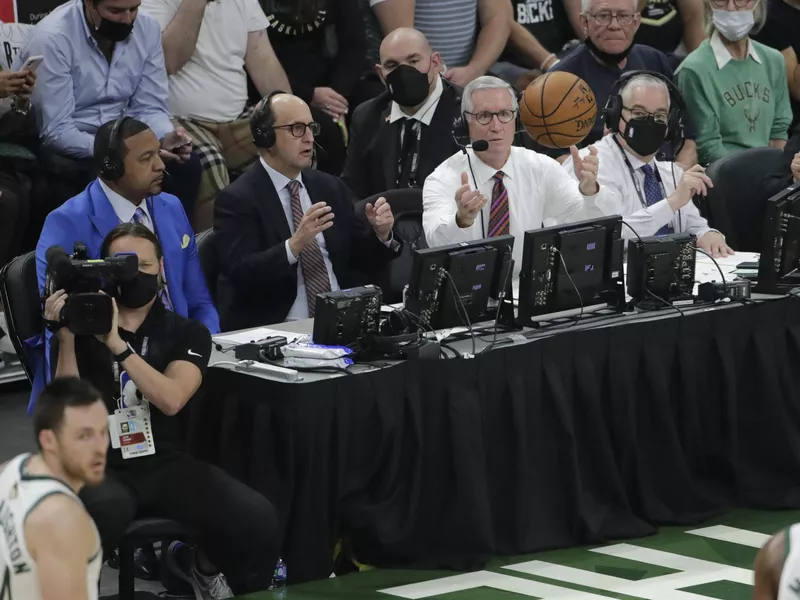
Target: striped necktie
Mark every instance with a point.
(140, 217)
(314, 272)
(499, 217)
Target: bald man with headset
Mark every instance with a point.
(285, 233)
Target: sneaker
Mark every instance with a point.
(180, 560)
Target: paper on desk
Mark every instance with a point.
(255, 335)
(706, 270)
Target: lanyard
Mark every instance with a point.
(142, 353)
(413, 160)
(635, 179)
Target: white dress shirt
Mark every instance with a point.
(299, 309)
(723, 56)
(539, 192)
(125, 209)
(614, 176)
(424, 114)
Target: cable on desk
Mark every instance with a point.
(501, 299)
(458, 302)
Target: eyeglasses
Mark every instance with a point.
(605, 18)
(638, 113)
(736, 3)
(485, 117)
(298, 130)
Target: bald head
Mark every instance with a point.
(401, 44)
(289, 109)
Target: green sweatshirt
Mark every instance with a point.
(745, 104)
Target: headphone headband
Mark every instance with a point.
(113, 164)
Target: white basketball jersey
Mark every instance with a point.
(789, 588)
(19, 495)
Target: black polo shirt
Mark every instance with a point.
(170, 337)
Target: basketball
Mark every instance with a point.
(558, 109)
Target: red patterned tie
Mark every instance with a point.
(314, 272)
(499, 217)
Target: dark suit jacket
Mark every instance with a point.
(258, 285)
(372, 152)
(780, 179)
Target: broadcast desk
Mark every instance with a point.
(604, 431)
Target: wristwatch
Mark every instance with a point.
(124, 354)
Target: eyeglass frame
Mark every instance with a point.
(736, 3)
(646, 114)
(312, 125)
(493, 115)
(611, 15)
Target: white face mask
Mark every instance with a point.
(733, 24)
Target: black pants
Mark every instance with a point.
(14, 211)
(237, 526)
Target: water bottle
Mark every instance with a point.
(279, 578)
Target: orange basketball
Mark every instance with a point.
(558, 109)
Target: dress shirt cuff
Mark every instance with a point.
(161, 125)
(662, 213)
(289, 256)
(387, 243)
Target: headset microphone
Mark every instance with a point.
(480, 146)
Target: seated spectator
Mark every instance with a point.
(655, 196)
(469, 34)
(609, 51)
(504, 189)
(735, 88)
(207, 46)
(789, 171)
(152, 363)
(782, 32)
(133, 195)
(15, 185)
(322, 77)
(398, 138)
(540, 33)
(675, 27)
(285, 234)
(80, 87)
(379, 18)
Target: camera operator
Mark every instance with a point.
(149, 365)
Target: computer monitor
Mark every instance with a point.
(449, 280)
(780, 243)
(569, 266)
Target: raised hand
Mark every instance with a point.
(381, 218)
(318, 218)
(586, 170)
(469, 203)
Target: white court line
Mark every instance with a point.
(734, 535)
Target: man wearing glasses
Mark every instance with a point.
(285, 233)
(607, 52)
(655, 195)
(494, 188)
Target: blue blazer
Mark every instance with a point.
(89, 218)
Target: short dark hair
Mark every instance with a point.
(132, 229)
(102, 139)
(59, 395)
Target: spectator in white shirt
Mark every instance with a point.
(504, 189)
(208, 44)
(655, 196)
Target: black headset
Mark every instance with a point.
(262, 121)
(612, 112)
(112, 167)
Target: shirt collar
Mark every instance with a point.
(636, 162)
(123, 207)
(723, 56)
(425, 112)
(279, 180)
(484, 172)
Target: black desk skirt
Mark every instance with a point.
(581, 438)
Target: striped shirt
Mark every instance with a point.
(450, 26)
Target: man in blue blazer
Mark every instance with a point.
(129, 189)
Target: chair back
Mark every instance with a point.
(736, 204)
(209, 260)
(19, 293)
(407, 210)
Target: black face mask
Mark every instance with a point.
(407, 86)
(644, 136)
(136, 292)
(608, 58)
(111, 30)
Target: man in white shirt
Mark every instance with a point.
(504, 189)
(655, 196)
(208, 44)
(398, 138)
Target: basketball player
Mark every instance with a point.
(49, 546)
(494, 188)
(777, 567)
